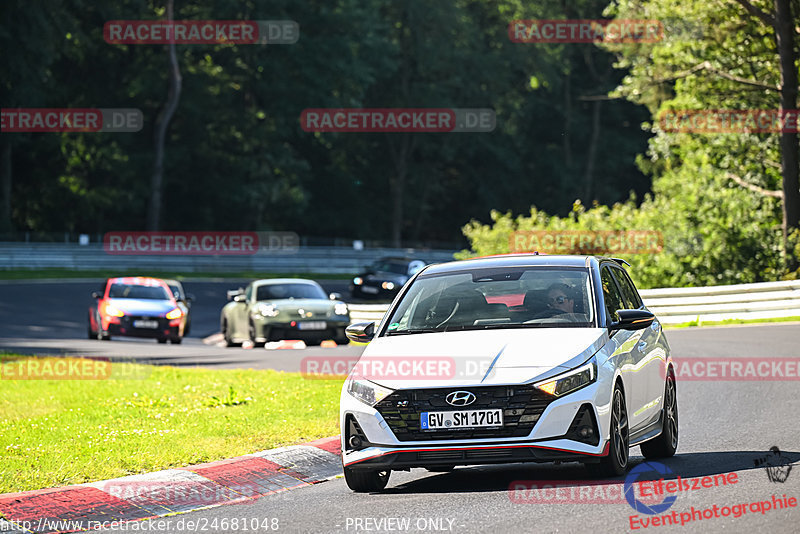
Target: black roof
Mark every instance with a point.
(512, 260)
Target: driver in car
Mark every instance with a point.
(559, 298)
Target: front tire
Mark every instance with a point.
(616, 463)
(225, 334)
(366, 481)
(665, 445)
(251, 329)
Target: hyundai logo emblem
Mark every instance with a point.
(460, 398)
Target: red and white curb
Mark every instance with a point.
(225, 482)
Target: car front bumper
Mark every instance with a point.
(266, 331)
(551, 438)
(125, 328)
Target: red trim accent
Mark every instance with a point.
(604, 453)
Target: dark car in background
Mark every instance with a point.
(384, 278)
(184, 301)
(136, 306)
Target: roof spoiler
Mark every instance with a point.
(621, 261)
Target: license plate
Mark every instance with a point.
(370, 289)
(460, 419)
(145, 324)
(311, 325)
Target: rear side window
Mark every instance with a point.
(611, 295)
(629, 294)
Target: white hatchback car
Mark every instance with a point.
(513, 358)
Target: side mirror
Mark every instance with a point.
(335, 296)
(239, 297)
(96, 295)
(233, 292)
(360, 332)
(189, 297)
(632, 320)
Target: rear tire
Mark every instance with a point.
(176, 340)
(366, 481)
(616, 463)
(162, 340)
(251, 329)
(665, 445)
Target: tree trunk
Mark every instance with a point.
(790, 149)
(400, 156)
(5, 188)
(588, 177)
(162, 123)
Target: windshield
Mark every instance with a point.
(289, 291)
(495, 298)
(389, 266)
(126, 291)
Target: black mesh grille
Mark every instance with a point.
(522, 406)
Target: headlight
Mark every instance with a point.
(340, 308)
(267, 310)
(358, 281)
(174, 314)
(388, 285)
(570, 381)
(366, 391)
(113, 312)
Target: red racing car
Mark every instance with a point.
(137, 307)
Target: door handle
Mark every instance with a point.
(642, 345)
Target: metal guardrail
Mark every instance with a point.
(766, 300)
(303, 260)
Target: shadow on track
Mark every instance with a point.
(500, 477)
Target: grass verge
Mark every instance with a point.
(60, 432)
(696, 323)
(36, 274)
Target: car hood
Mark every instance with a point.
(142, 306)
(312, 305)
(478, 357)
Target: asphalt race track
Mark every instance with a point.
(43, 317)
(725, 426)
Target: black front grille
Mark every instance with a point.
(127, 322)
(522, 406)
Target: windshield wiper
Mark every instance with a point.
(412, 331)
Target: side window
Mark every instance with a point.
(629, 293)
(611, 294)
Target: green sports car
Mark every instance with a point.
(283, 308)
